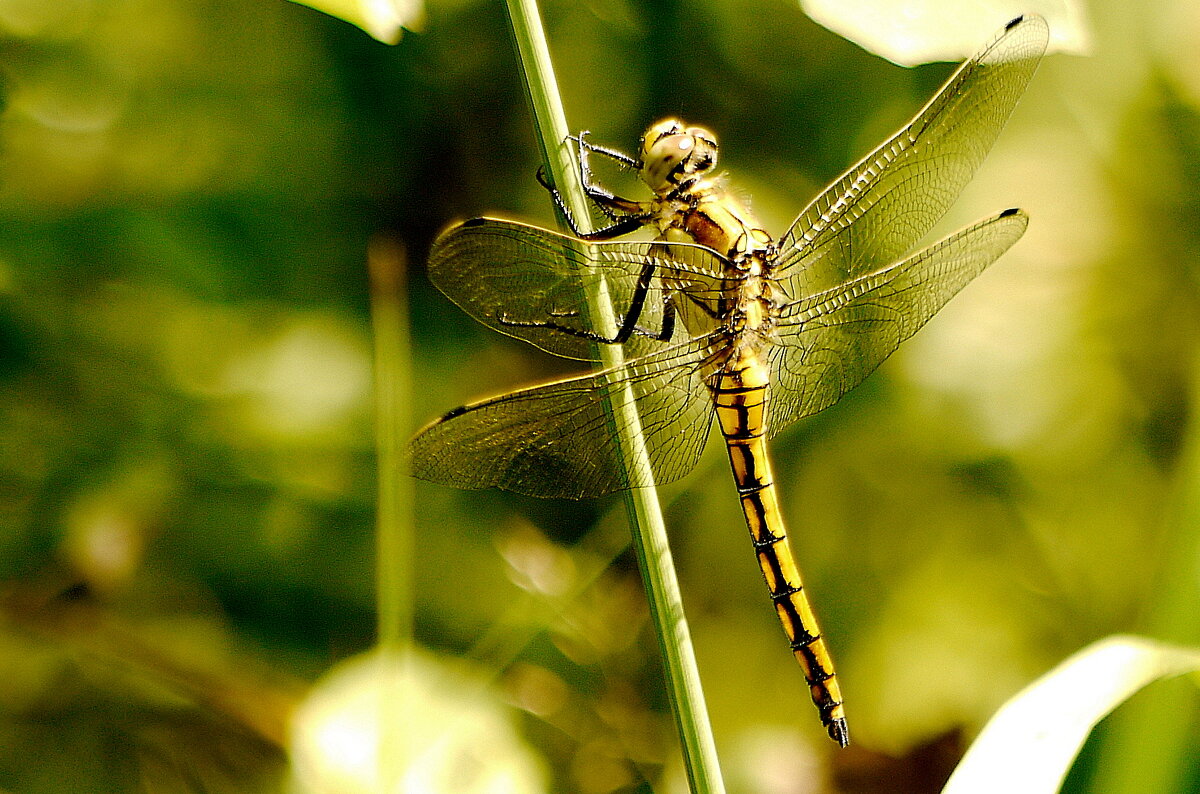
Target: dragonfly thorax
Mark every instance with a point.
(707, 212)
(757, 298)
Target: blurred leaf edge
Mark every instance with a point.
(385, 20)
(1030, 744)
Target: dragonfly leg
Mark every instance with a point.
(621, 225)
(668, 322)
(550, 325)
(620, 337)
(629, 326)
(585, 147)
(629, 322)
(610, 204)
(715, 313)
(626, 215)
(617, 208)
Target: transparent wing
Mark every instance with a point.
(531, 283)
(559, 440)
(828, 343)
(879, 209)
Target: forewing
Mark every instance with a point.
(828, 343)
(560, 439)
(879, 209)
(532, 283)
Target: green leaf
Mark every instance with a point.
(1031, 742)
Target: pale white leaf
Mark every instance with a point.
(1031, 742)
(383, 19)
(910, 32)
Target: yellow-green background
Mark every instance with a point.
(187, 480)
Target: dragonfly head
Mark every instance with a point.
(673, 154)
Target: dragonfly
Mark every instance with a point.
(716, 319)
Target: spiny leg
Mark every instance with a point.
(628, 326)
(627, 215)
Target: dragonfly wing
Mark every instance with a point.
(880, 208)
(560, 439)
(828, 343)
(532, 283)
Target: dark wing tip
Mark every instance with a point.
(1033, 20)
(453, 412)
(1010, 212)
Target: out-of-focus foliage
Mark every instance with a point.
(451, 732)
(186, 453)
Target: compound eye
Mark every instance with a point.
(704, 152)
(664, 157)
(672, 152)
(703, 135)
(659, 131)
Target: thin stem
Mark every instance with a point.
(393, 391)
(394, 521)
(645, 515)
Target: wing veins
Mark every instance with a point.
(564, 428)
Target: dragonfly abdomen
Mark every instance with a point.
(740, 395)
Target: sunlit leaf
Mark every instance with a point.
(1030, 744)
(909, 32)
(383, 19)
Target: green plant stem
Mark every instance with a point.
(645, 516)
(393, 390)
(394, 519)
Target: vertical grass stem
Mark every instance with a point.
(645, 516)
(394, 519)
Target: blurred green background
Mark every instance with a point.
(187, 467)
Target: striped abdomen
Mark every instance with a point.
(740, 393)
